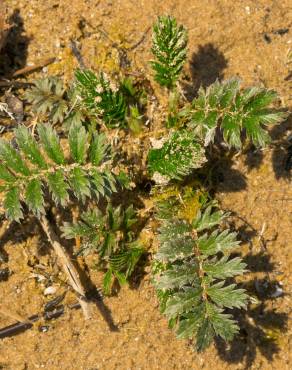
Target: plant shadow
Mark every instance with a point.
(14, 53)
(261, 327)
(206, 66)
(282, 152)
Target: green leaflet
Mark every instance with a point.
(169, 49)
(58, 187)
(208, 219)
(177, 276)
(227, 296)
(182, 302)
(78, 139)
(99, 149)
(179, 155)
(205, 335)
(12, 159)
(51, 144)
(29, 147)
(79, 183)
(217, 242)
(223, 324)
(189, 323)
(34, 197)
(12, 204)
(6, 175)
(224, 268)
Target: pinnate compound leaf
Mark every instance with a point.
(169, 48)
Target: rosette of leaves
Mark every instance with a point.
(169, 49)
(48, 98)
(31, 167)
(237, 113)
(177, 157)
(192, 276)
(112, 238)
(101, 97)
(52, 101)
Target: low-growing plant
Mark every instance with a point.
(193, 271)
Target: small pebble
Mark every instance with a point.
(50, 290)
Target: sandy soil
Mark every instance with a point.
(250, 39)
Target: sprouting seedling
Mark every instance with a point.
(111, 237)
(36, 168)
(190, 274)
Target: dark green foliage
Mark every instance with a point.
(27, 170)
(111, 236)
(169, 49)
(191, 266)
(101, 98)
(179, 155)
(237, 113)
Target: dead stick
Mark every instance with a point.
(68, 266)
(30, 69)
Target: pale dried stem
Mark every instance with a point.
(68, 266)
